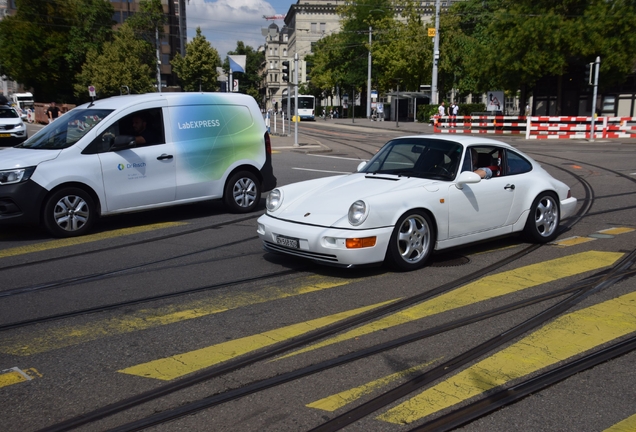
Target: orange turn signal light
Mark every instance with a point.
(357, 243)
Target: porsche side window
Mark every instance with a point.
(516, 163)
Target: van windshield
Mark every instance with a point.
(66, 130)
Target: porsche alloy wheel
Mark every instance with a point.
(543, 220)
(411, 242)
(242, 192)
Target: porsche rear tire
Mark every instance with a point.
(411, 242)
(543, 221)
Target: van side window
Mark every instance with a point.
(146, 127)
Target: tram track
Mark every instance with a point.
(282, 347)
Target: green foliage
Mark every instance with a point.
(126, 61)
(148, 22)
(250, 81)
(197, 70)
(44, 45)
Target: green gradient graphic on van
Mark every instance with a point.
(208, 137)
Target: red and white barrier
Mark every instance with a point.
(538, 127)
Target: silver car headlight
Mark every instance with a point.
(274, 200)
(17, 175)
(358, 212)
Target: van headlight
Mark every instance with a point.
(358, 212)
(17, 175)
(274, 200)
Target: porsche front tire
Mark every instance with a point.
(411, 242)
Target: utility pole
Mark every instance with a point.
(158, 58)
(434, 98)
(597, 65)
(295, 85)
(369, 77)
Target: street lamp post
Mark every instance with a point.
(369, 77)
(434, 98)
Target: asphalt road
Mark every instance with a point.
(192, 291)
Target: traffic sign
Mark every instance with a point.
(431, 32)
(91, 91)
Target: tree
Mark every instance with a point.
(43, 45)
(127, 61)
(251, 79)
(197, 70)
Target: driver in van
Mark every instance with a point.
(143, 135)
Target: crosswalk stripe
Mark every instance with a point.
(567, 336)
(48, 339)
(182, 364)
(627, 425)
(484, 289)
(338, 400)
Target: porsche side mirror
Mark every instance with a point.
(467, 177)
(361, 165)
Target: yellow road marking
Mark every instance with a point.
(627, 425)
(56, 244)
(182, 364)
(51, 339)
(484, 289)
(616, 231)
(338, 400)
(15, 375)
(567, 336)
(572, 241)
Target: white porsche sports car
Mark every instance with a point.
(418, 193)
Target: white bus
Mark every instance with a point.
(22, 100)
(306, 107)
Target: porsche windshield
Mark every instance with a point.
(66, 130)
(417, 157)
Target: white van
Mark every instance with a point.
(137, 152)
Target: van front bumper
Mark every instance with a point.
(21, 203)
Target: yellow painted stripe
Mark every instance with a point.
(56, 244)
(573, 241)
(616, 231)
(338, 400)
(483, 289)
(627, 425)
(15, 376)
(182, 364)
(566, 337)
(50, 339)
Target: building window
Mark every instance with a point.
(271, 65)
(284, 52)
(275, 77)
(286, 38)
(276, 64)
(323, 27)
(314, 27)
(270, 51)
(276, 51)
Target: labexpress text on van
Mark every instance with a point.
(199, 124)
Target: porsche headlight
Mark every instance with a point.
(274, 200)
(358, 212)
(17, 175)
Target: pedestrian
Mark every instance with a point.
(441, 112)
(455, 110)
(527, 109)
(52, 112)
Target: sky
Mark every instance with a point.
(224, 22)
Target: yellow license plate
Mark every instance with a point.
(5, 135)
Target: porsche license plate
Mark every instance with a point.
(5, 135)
(287, 241)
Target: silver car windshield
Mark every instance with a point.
(66, 130)
(8, 113)
(417, 157)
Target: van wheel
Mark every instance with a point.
(69, 212)
(412, 242)
(242, 192)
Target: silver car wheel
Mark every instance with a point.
(71, 213)
(244, 192)
(546, 216)
(413, 239)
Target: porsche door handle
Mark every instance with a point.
(510, 186)
(164, 156)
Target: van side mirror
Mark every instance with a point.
(361, 165)
(467, 177)
(123, 142)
